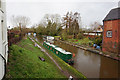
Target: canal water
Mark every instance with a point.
(90, 64)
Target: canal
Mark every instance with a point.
(90, 64)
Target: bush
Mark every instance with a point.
(80, 36)
(98, 41)
(16, 36)
(57, 37)
(70, 36)
(64, 36)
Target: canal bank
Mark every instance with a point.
(112, 56)
(24, 62)
(63, 66)
(90, 64)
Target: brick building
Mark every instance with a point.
(111, 33)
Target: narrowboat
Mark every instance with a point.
(61, 53)
(44, 38)
(49, 39)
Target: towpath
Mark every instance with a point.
(65, 72)
(46, 54)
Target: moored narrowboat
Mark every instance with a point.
(61, 53)
(49, 39)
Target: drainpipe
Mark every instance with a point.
(4, 65)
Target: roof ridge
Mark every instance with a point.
(113, 14)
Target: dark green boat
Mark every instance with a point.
(66, 56)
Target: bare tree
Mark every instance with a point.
(95, 26)
(67, 20)
(72, 22)
(53, 18)
(50, 22)
(20, 21)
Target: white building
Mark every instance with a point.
(3, 39)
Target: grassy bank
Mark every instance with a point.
(65, 67)
(84, 41)
(23, 62)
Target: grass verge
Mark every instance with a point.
(84, 41)
(23, 62)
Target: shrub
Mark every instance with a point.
(70, 36)
(16, 36)
(98, 41)
(80, 36)
(57, 37)
(64, 36)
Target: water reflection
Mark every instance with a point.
(109, 68)
(87, 63)
(90, 64)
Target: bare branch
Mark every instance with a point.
(18, 21)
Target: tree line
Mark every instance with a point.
(54, 25)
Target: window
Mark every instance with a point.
(109, 33)
(56, 52)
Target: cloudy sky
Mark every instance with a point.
(90, 10)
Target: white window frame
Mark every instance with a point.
(109, 34)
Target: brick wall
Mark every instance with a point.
(111, 44)
(119, 35)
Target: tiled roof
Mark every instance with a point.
(113, 14)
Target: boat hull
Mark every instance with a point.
(65, 57)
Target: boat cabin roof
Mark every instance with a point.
(48, 43)
(62, 50)
(68, 53)
(52, 45)
(58, 48)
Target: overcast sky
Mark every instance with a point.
(94, 10)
